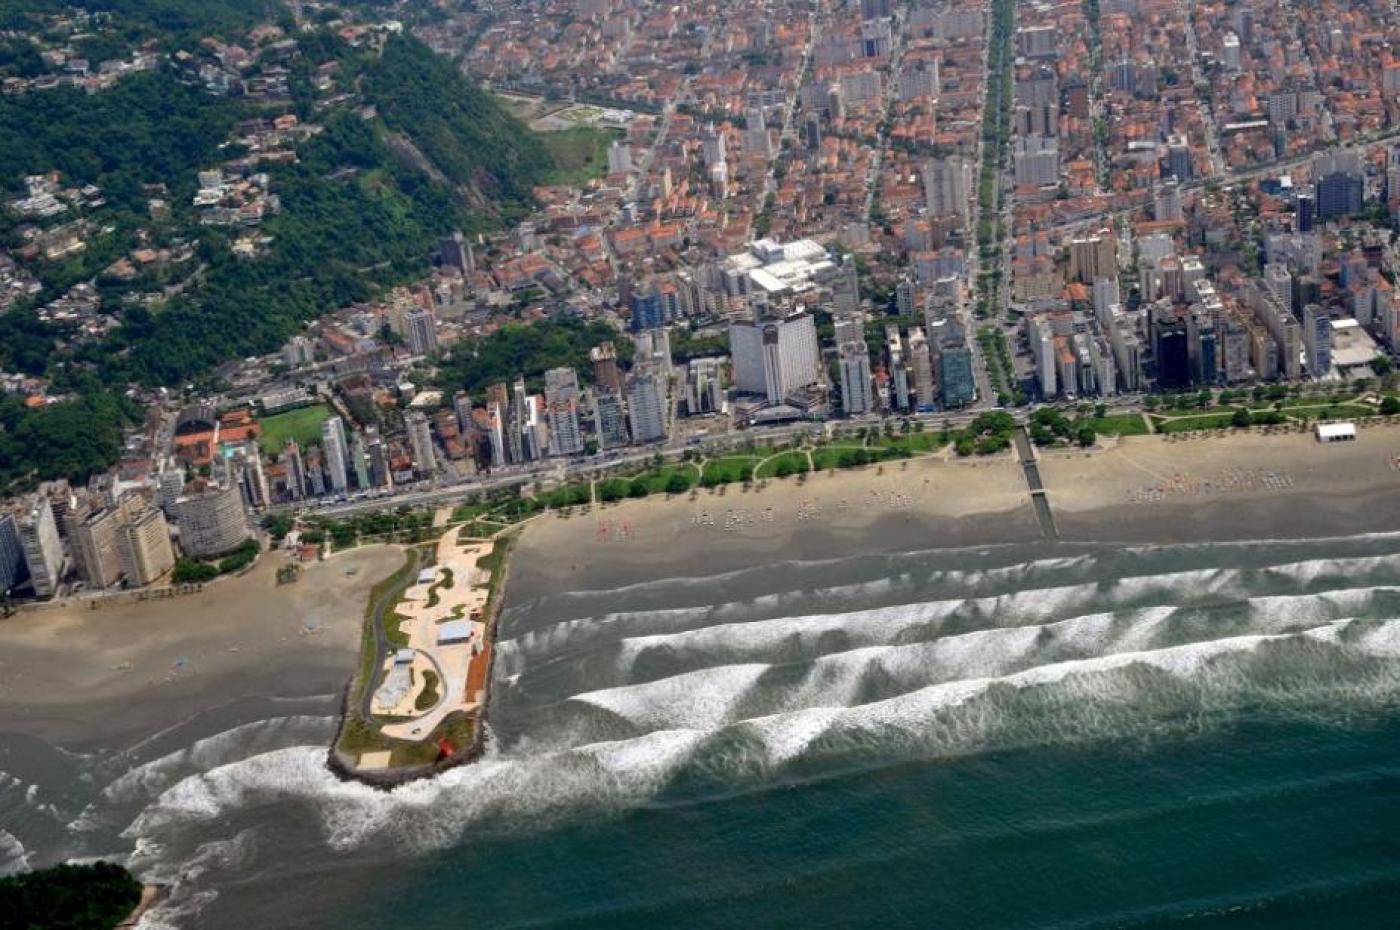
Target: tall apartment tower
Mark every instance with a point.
(605, 374)
(12, 567)
(646, 402)
(561, 398)
(337, 453)
(420, 441)
(421, 328)
(948, 187)
(43, 549)
(921, 363)
(96, 547)
(457, 253)
(857, 394)
(776, 357)
(146, 553)
(211, 520)
(609, 420)
(296, 471)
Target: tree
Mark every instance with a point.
(1390, 406)
(74, 897)
(1242, 418)
(677, 483)
(1086, 436)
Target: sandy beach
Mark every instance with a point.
(921, 503)
(1236, 486)
(138, 666)
(1150, 489)
(73, 672)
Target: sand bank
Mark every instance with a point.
(135, 666)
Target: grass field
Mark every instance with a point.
(795, 462)
(1122, 424)
(730, 468)
(580, 154)
(1187, 424)
(302, 424)
(927, 441)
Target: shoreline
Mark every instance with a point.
(83, 676)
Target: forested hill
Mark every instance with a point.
(459, 127)
(405, 150)
(356, 214)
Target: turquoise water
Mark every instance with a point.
(1009, 737)
(1262, 825)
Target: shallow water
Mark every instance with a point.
(1024, 736)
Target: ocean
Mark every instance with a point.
(1032, 736)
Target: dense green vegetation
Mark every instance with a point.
(466, 134)
(1049, 426)
(69, 897)
(361, 208)
(180, 22)
(518, 349)
(988, 434)
(70, 439)
(148, 128)
(190, 571)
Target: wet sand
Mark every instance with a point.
(76, 674)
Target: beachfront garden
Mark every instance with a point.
(1276, 405)
(192, 571)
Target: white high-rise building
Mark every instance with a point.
(43, 549)
(212, 520)
(646, 403)
(712, 143)
(1037, 161)
(857, 390)
(420, 441)
(561, 398)
(948, 187)
(775, 357)
(921, 363)
(337, 453)
(421, 328)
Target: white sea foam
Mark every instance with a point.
(148, 780)
(556, 636)
(1106, 695)
(1026, 604)
(13, 857)
(695, 700)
